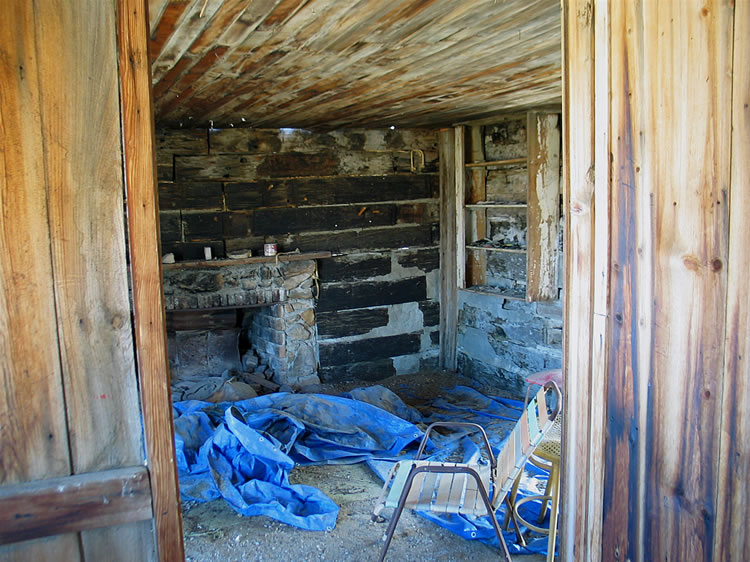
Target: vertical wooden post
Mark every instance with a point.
(145, 259)
(543, 210)
(448, 264)
(586, 193)
(459, 156)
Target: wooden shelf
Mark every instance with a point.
(508, 162)
(495, 292)
(495, 206)
(255, 259)
(492, 249)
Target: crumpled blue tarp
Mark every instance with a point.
(244, 451)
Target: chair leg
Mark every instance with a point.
(513, 493)
(516, 526)
(392, 525)
(553, 524)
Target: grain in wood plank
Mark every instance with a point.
(578, 514)
(91, 286)
(732, 499)
(145, 261)
(36, 443)
(668, 236)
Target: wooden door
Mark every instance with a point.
(87, 462)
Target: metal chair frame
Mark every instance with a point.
(500, 493)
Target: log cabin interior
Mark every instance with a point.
(482, 187)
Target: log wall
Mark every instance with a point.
(369, 196)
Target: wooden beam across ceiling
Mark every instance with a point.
(342, 63)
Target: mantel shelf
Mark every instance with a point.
(281, 257)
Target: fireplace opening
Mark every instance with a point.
(242, 329)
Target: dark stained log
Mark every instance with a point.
(368, 349)
(170, 225)
(244, 141)
(253, 141)
(363, 189)
(431, 312)
(178, 320)
(342, 323)
(372, 293)
(190, 195)
(293, 220)
(363, 240)
(182, 141)
(202, 226)
(370, 371)
(238, 225)
(262, 193)
(67, 504)
(418, 213)
(354, 266)
(231, 167)
(427, 259)
(328, 191)
(435, 337)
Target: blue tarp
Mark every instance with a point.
(244, 451)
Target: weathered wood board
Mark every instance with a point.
(732, 493)
(671, 85)
(543, 210)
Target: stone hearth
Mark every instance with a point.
(281, 329)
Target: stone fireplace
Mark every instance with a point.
(218, 310)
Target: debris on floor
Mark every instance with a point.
(244, 451)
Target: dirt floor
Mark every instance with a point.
(214, 532)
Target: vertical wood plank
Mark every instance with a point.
(543, 211)
(33, 427)
(459, 155)
(732, 493)
(448, 262)
(477, 262)
(671, 85)
(88, 234)
(148, 299)
(600, 284)
(579, 521)
(84, 164)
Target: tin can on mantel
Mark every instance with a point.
(270, 249)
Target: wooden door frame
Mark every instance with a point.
(586, 170)
(139, 156)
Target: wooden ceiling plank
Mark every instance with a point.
(191, 23)
(224, 17)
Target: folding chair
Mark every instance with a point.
(443, 487)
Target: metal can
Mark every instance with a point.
(270, 249)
